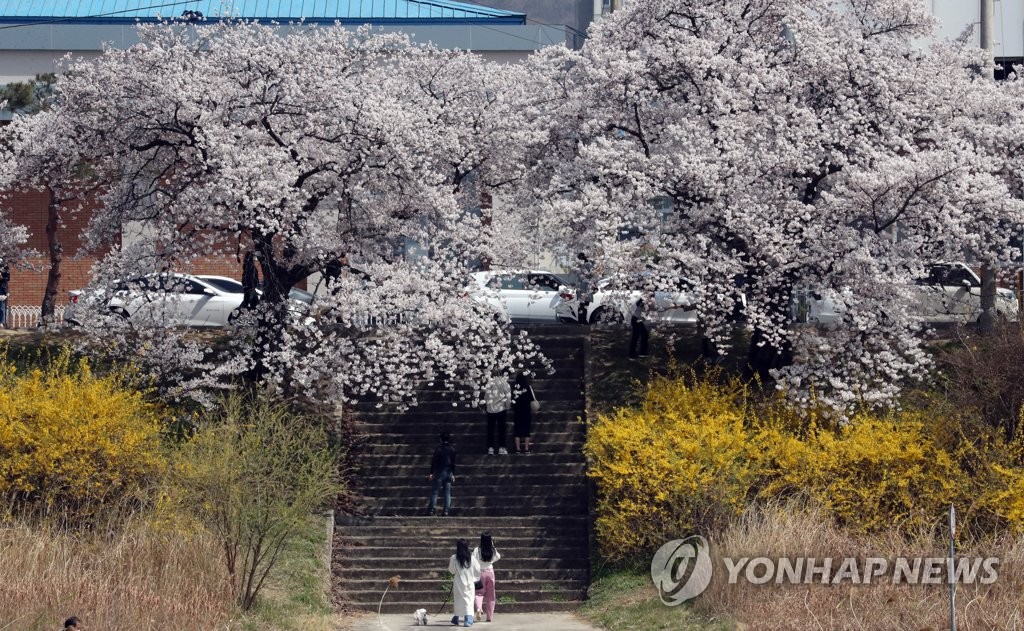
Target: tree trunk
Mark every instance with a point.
(56, 251)
(987, 321)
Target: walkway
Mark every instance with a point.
(554, 621)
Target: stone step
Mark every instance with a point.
(461, 503)
(458, 421)
(459, 511)
(537, 462)
(511, 495)
(444, 619)
(534, 521)
(503, 539)
(436, 595)
(476, 476)
(502, 572)
(357, 552)
(539, 444)
(441, 584)
(430, 408)
(469, 437)
(568, 567)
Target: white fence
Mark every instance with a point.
(27, 316)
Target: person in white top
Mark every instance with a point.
(467, 572)
(498, 400)
(486, 555)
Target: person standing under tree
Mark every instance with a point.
(250, 281)
(442, 474)
(5, 285)
(640, 334)
(498, 400)
(522, 413)
(584, 293)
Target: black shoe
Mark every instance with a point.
(430, 512)
(444, 514)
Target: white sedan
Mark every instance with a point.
(616, 296)
(175, 299)
(522, 296)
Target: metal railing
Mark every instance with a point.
(27, 316)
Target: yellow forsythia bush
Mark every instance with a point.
(871, 473)
(696, 452)
(72, 441)
(677, 463)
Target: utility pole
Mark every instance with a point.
(988, 273)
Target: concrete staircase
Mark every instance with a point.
(535, 506)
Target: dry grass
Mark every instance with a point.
(134, 580)
(794, 531)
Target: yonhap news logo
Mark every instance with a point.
(682, 570)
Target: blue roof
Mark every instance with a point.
(312, 11)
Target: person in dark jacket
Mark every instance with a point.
(523, 406)
(250, 281)
(639, 338)
(5, 280)
(442, 474)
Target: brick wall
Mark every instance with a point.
(28, 208)
(28, 282)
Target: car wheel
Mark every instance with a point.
(233, 316)
(120, 313)
(603, 316)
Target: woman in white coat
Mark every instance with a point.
(466, 571)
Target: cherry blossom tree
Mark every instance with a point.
(817, 145)
(304, 145)
(48, 164)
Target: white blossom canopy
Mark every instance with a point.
(302, 144)
(803, 144)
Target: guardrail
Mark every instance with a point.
(28, 316)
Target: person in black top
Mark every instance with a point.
(442, 473)
(250, 280)
(5, 279)
(639, 336)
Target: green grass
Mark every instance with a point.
(297, 596)
(628, 601)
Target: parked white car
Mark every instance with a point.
(522, 296)
(949, 294)
(615, 297)
(178, 299)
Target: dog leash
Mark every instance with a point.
(450, 592)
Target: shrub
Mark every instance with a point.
(695, 452)
(252, 475)
(677, 463)
(871, 473)
(72, 441)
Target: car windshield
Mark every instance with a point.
(227, 285)
(301, 295)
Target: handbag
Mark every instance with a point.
(534, 404)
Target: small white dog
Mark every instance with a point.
(419, 618)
